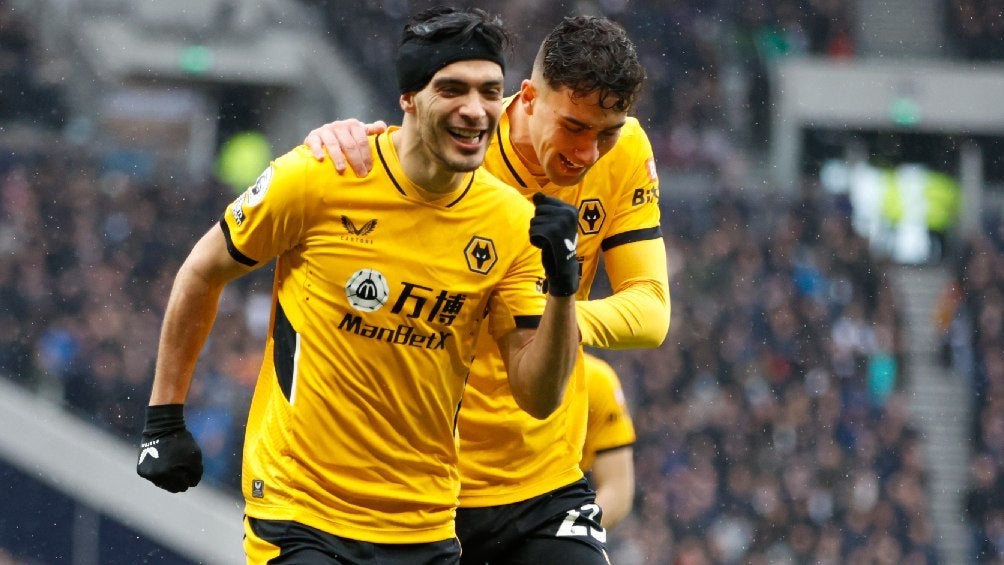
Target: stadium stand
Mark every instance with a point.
(972, 333)
(75, 494)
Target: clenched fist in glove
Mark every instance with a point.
(169, 456)
(555, 230)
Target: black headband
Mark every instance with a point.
(418, 59)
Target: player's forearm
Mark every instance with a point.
(191, 311)
(636, 316)
(542, 367)
(637, 312)
(616, 506)
(613, 475)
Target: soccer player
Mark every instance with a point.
(566, 133)
(608, 451)
(383, 285)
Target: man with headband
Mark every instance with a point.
(567, 133)
(382, 287)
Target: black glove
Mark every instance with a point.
(169, 456)
(555, 230)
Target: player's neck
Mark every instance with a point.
(519, 136)
(421, 168)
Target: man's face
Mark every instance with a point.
(457, 112)
(570, 134)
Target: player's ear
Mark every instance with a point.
(527, 94)
(407, 102)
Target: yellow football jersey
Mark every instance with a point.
(380, 292)
(610, 425)
(507, 455)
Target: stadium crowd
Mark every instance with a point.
(771, 423)
(971, 318)
(771, 426)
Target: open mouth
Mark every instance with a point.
(568, 164)
(467, 136)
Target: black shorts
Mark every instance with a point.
(280, 542)
(562, 526)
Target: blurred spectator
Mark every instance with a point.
(984, 503)
(977, 28)
(765, 32)
(973, 306)
(24, 95)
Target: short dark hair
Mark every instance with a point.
(439, 36)
(587, 54)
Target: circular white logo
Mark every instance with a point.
(367, 290)
(256, 192)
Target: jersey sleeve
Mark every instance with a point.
(637, 312)
(270, 216)
(634, 182)
(634, 252)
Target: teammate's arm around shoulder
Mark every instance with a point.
(345, 141)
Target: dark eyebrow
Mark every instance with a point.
(583, 125)
(452, 81)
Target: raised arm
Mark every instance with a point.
(637, 313)
(345, 141)
(540, 363)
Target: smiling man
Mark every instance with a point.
(350, 453)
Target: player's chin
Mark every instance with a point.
(467, 160)
(565, 179)
(563, 173)
(465, 165)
